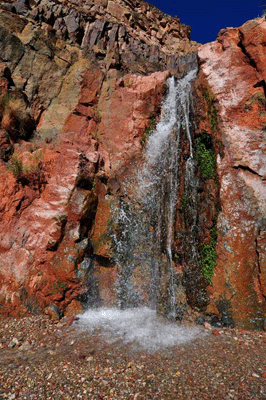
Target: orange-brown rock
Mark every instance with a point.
(234, 67)
(125, 113)
(79, 86)
(55, 211)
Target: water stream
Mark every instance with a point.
(147, 285)
(146, 216)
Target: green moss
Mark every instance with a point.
(212, 110)
(4, 102)
(148, 131)
(62, 285)
(208, 255)
(208, 260)
(183, 203)
(206, 156)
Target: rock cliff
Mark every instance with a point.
(81, 87)
(234, 69)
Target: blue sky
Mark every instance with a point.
(207, 18)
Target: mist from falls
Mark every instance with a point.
(148, 287)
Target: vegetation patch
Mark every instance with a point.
(183, 203)
(15, 116)
(212, 110)
(148, 131)
(208, 260)
(28, 175)
(62, 285)
(257, 97)
(15, 166)
(208, 255)
(205, 155)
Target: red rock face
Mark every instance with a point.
(54, 214)
(73, 115)
(88, 119)
(234, 67)
(125, 114)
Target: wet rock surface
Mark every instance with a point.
(232, 67)
(41, 359)
(64, 152)
(81, 87)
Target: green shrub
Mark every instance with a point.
(148, 131)
(208, 255)
(15, 166)
(31, 175)
(62, 285)
(206, 156)
(257, 97)
(208, 260)
(183, 203)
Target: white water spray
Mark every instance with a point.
(138, 326)
(147, 221)
(144, 237)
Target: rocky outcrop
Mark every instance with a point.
(70, 129)
(234, 71)
(133, 36)
(81, 86)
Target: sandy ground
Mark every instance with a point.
(41, 359)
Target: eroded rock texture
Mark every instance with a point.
(234, 68)
(73, 114)
(132, 35)
(81, 84)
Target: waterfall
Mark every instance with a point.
(146, 214)
(143, 238)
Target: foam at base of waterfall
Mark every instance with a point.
(139, 326)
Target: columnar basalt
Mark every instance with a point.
(133, 36)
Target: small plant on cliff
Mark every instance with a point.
(15, 116)
(257, 97)
(15, 166)
(208, 260)
(30, 175)
(206, 156)
(148, 131)
(183, 203)
(62, 285)
(208, 255)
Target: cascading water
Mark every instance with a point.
(143, 238)
(146, 216)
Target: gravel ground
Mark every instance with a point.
(41, 359)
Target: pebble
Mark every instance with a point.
(255, 375)
(25, 346)
(72, 364)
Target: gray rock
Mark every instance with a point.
(53, 312)
(72, 23)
